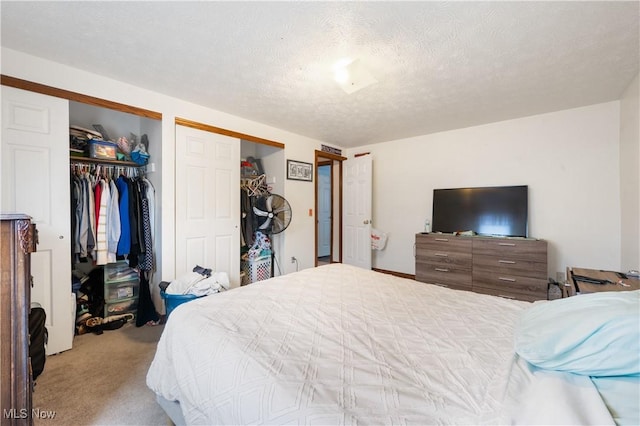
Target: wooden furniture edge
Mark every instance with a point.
(219, 130)
(31, 86)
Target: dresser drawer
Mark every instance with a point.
(533, 250)
(523, 288)
(445, 276)
(445, 258)
(443, 243)
(509, 265)
(525, 297)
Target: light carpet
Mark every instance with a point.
(101, 381)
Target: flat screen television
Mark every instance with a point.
(498, 210)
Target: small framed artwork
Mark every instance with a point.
(297, 170)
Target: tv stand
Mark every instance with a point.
(515, 268)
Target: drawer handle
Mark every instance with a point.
(508, 262)
(506, 297)
(441, 254)
(442, 239)
(507, 244)
(442, 269)
(511, 280)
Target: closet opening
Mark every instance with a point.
(262, 173)
(114, 217)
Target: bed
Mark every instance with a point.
(341, 345)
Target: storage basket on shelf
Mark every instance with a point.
(172, 301)
(257, 269)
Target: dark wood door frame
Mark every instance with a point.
(322, 158)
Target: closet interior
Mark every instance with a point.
(262, 173)
(114, 216)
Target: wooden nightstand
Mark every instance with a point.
(578, 282)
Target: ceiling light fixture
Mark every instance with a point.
(351, 75)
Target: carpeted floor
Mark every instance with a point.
(101, 381)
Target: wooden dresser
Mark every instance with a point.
(17, 242)
(444, 260)
(514, 268)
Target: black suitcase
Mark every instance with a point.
(37, 340)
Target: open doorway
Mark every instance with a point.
(328, 208)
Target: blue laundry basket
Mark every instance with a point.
(171, 301)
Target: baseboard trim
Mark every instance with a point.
(397, 274)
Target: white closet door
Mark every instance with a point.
(207, 202)
(357, 183)
(35, 181)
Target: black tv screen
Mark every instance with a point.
(499, 210)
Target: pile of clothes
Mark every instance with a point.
(261, 246)
(199, 282)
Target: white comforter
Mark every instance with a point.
(339, 345)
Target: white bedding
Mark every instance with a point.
(342, 345)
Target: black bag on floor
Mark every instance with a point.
(37, 340)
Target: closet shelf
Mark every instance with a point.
(78, 159)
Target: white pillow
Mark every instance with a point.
(594, 334)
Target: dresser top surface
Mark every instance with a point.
(14, 216)
(486, 237)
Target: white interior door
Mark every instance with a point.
(35, 181)
(357, 184)
(207, 202)
(324, 211)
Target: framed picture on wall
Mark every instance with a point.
(298, 170)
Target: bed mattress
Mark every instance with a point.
(339, 345)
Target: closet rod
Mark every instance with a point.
(89, 160)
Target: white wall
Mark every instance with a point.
(630, 176)
(569, 160)
(299, 235)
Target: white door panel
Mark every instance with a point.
(35, 181)
(357, 183)
(207, 202)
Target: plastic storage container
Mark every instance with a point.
(124, 290)
(172, 301)
(102, 149)
(124, 307)
(121, 289)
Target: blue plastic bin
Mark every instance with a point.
(171, 301)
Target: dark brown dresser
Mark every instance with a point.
(514, 268)
(17, 242)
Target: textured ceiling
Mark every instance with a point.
(438, 65)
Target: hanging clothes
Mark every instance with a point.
(124, 242)
(102, 200)
(134, 223)
(113, 223)
(146, 313)
(146, 256)
(112, 216)
(246, 218)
